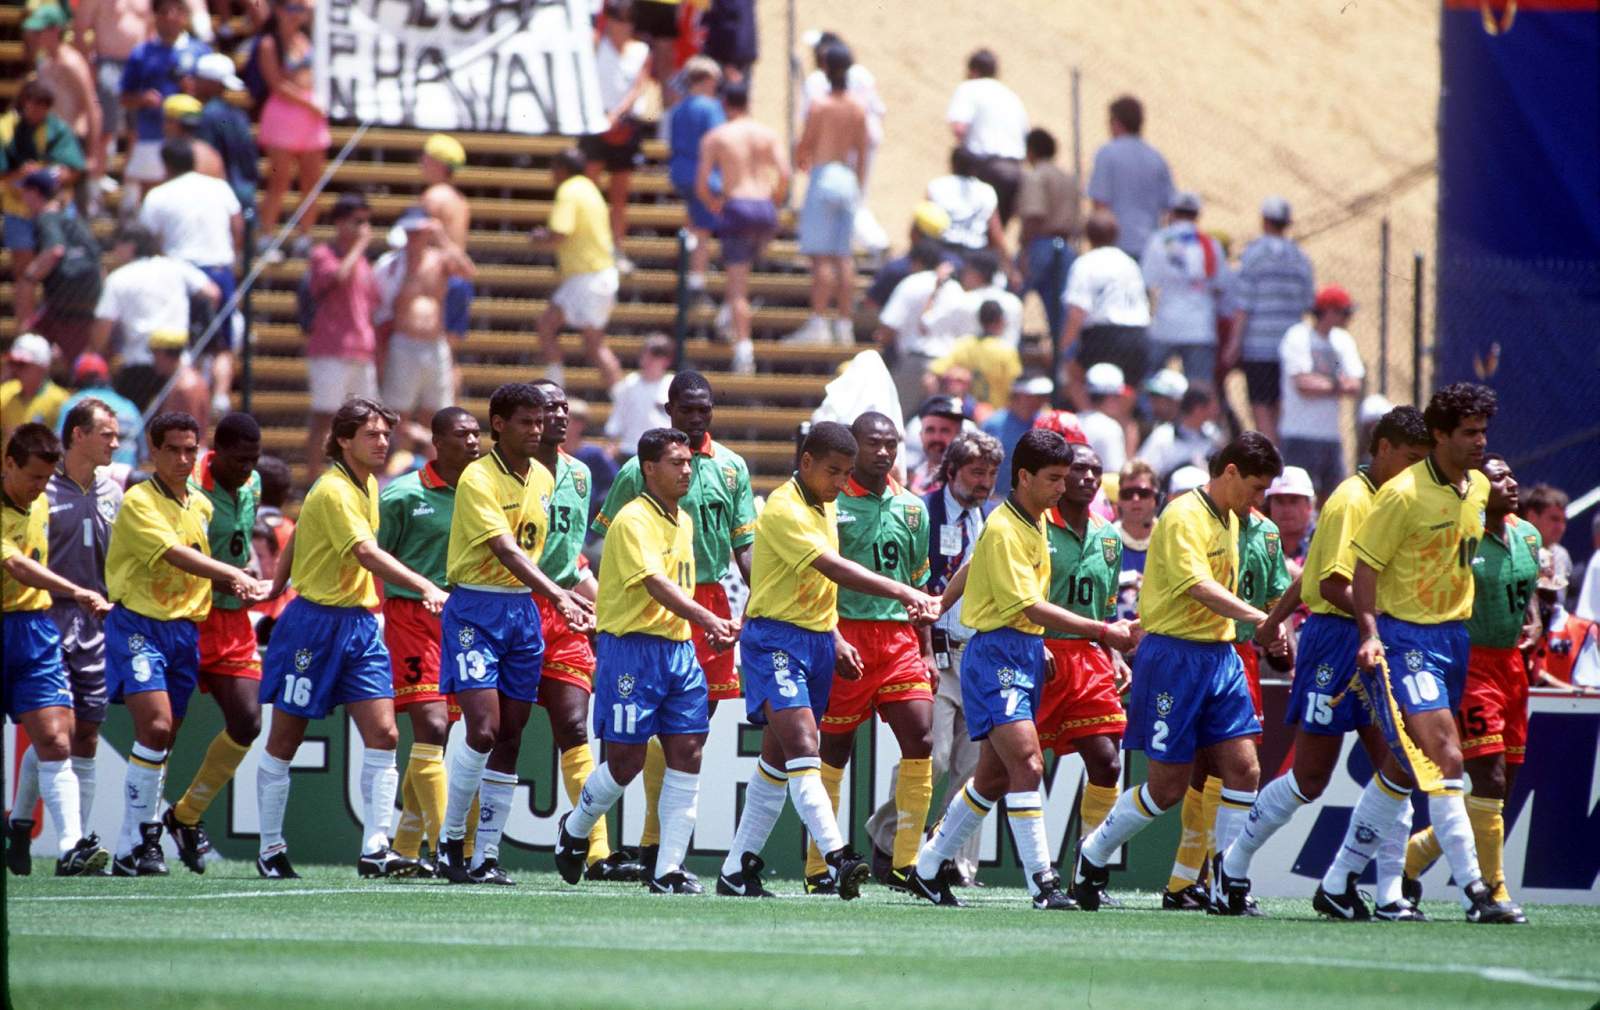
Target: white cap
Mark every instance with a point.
(1293, 480)
(32, 349)
(1167, 383)
(811, 37)
(1276, 208)
(218, 67)
(1037, 385)
(1373, 408)
(1186, 478)
(1106, 379)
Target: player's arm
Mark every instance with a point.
(954, 589)
(280, 577)
(1532, 627)
(1215, 597)
(579, 613)
(387, 567)
(589, 588)
(1282, 610)
(193, 562)
(1364, 593)
(1374, 546)
(742, 557)
(720, 631)
(929, 661)
(921, 607)
(36, 576)
(702, 176)
(1119, 635)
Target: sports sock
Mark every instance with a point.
(408, 832)
(763, 802)
(831, 778)
(1092, 809)
(59, 788)
(1450, 823)
(655, 766)
(1025, 815)
(1233, 807)
(84, 768)
(680, 805)
(1422, 851)
(1488, 837)
(810, 800)
(272, 796)
(470, 842)
(577, 764)
(1212, 798)
(1392, 856)
(600, 791)
(380, 780)
(495, 796)
(963, 817)
(427, 793)
(142, 789)
(1133, 813)
(27, 795)
(913, 794)
(221, 761)
(1375, 812)
(1273, 807)
(1192, 845)
(466, 774)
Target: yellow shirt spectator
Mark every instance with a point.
(1333, 545)
(43, 407)
(26, 532)
(994, 366)
(645, 540)
(1193, 541)
(1009, 572)
(792, 532)
(581, 218)
(493, 499)
(1421, 536)
(339, 513)
(152, 521)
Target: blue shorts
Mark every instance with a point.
(491, 640)
(321, 657)
(18, 233)
(1323, 699)
(1186, 696)
(35, 677)
(700, 216)
(828, 216)
(1427, 672)
(144, 654)
(785, 666)
(746, 227)
(1002, 673)
(647, 685)
(458, 306)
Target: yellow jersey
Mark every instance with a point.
(792, 532)
(493, 499)
(644, 540)
(151, 522)
(1193, 541)
(1333, 545)
(993, 363)
(339, 513)
(580, 217)
(26, 532)
(43, 407)
(1009, 572)
(1421, 536)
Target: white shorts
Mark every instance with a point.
(335, 380)
(144, 162)
(417, 376)
(587, 299)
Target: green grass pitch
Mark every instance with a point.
(229, 939)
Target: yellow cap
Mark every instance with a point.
(445, 149)
(931, 219)
(181, 106)
(169, 339)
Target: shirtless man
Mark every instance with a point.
(441, 156)
(66, 71)
(755, 175)
(418, 370)
(834, 147)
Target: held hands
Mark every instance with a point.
(1370, 654)
(433, 599)
(92, 602)
(578, 612)
(1123, 636)
(1273, 638)
(847, 660)
(249, 590)
(922, 609)
(722, 633)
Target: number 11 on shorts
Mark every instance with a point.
(624, 717)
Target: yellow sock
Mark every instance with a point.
(1213, 799)
(913, 794)
(430, 783)
(1096, 804)
(655, 769)
(1422, 850)
(222, 760)
(471, 838)
(831, 777)
(1489, 834)
(1192, 846)
(576, 764)
(408, 833)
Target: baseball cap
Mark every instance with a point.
(48, 16)
(46, 181)
(1276, 208)
(181, 106)
(1334, 296)
(168, 338)
(30, 349)
(1185, 200)
(218, 67)
(1034, 385)
(1063, 423)
(1106, 379)
(1167, 383)
(1186, 478)
(931, 219)
(942, 406)
(89, 365)
(1294, 480)
(1373, 408)
(414, 219)
(447, 149)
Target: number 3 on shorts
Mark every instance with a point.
(1158, 738)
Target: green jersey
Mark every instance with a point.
(414, 525)
(719, 501)
(1083, 572)
(1263, 573)
(887, 534)
(569, 507)
(1504, 576)
(233, 519)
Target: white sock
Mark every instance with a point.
(1133, 813)
(272, 797)
(379, 782)
(1448, 811)
(84, 768)
(495, 796)
(27, 796)
(763, 802)
(59, 787)
(1392, 856)
(143, 794)
(678, 808)
(466, 773)
(1375, 812)
(600, 791)
(1273, 807)
(963, 817)
(811, 802)
(1025, 814)
(1231, 815)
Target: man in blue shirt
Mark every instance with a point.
(224, 127)
(694, 117)
(1029, 395)
(152, 73)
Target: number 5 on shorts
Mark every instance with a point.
(786, 685)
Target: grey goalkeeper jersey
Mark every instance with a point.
(80, 529)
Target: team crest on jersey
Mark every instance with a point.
(108, 511)
(1008, 677)
(1272, 546)
(913, 518)
(1324, 675)
(780, 661)
(302, 659)
(1163, 704)
(580, 484)
(465, 637)
(135, 643)
(625, 684)
(1108, 550)
(730, 477)
(1365, 835)
(1414, 661)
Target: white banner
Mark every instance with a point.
(511, 66)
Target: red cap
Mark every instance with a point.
(1062, 422)
(1333, 297)
(87, 365)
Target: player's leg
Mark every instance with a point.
(834, 747)
(568, 707)
(548, 327)
(272, 788)
(424, 787)
(912, 725)
(138, 849)
(239, 698)
(680, 802)
(1184, 886)
(498, 789)
(480, 715)
(84, 651)
(380, 781)
(1017, 746)
(50, 728)
(1315, 756)
(1102, 764)
(1236, 762)
(763, 802)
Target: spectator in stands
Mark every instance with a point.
(1107, 422)
(639, 400)
(731, 37)
(620, 64)
(1321, 366)
(66, 264)
(181, 121)
(993, 363)
(928, 221)
(1290, 501)
(579, 233)
(939, 420)
(1108, 309)
(1138, 502)
(1188, 441)
(70, 77)
(224, 128)
(657, 23)
(697, 115)
(1163, 391)
(189, 392)
(602, 468)
(1029, 395)
(419, 376)
(32, 137)
(149, 76)
(972, 205)
(1130, 178)
(105, 32)
(977, 275)
(341, 347)
(1368, 414)
(863, 87)
(91, 381)
(988, 120)
(26, 393)
(294, 128)
(1566, 635)
(903, 333)
(1274, 289)
(1588, 606)
(1187, 274)
(1545, 506)
(1050, 205)
(442, 155)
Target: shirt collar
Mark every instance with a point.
(855, 490)
(6, 501)
(162, 489)
(1211, 506)
(660, 506)
(430, 478)
(707, 446)
(1366, 478)
(1440, 479)
(805, 495)
(1020, 513)
(203, 477)
(349, 474)
(500, 462)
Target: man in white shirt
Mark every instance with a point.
(1131, 178)
(1187, 274)
(1320, 366)
(989, 120)
(1188, 441)
(972, 205)
(904, 334)
(977, 279)
(1108, 309)
(639, 399)
(1109, 415)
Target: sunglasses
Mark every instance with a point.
(1126, 493)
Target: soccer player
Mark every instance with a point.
(84, 503)
(724, 512)
(160, 572)
(1493, 715)
(1413, 591)
(788, 646)
(651, 684)
(492, 649)
(326, 650)
(229, 669)
(1322, 702)
(414, 514)
(1004, 670)
(37, 694)
(1189, 688)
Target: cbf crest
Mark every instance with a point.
(1324, 675)
(1414, 661)
(913, 517)
(136, 643)
(780, 661)
(302, 659)
(465, 637)
(107, 509)
(1163, 704)
(1008, 677)
(625, 684)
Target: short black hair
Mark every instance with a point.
(828, 437)
(983, 263)
(1252, 454)
(1493, 457)
(1037, 449)
(1128, 111)
(351, 417)
(571, 159)
(158, 4)
(144, 241)
(1197, 395)
(864, 425)
(445, 418)
(990, 313)
(836, 62)
(81, 416)
(36, 91)
(1544, 496)
(736, 94)
(653, 443)
(964, 162)
(33, 441)
(171, 420)
(1401, 426)
(1455, 403)
(505, 400)
(347, 204)
(687, 382)
(1041, 143)
(926, 253)
(276, 481)
(177, 156)
(983, 62)
(234, 429)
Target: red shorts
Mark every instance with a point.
(1494, 709)
(228, 647)
(1252, 672)
(1081, 700)
(722, 677)
(412, 636)
(891, 655)
(568, 656)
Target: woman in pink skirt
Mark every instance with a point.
(294, 128)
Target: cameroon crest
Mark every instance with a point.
(913, 517)
(1108, 550)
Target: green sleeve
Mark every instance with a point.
(743, 533)
(1278, 578)
(391, 521)
(624, 489)
(1116, 570)
(48, 232)
(63, 148)
(918, 565)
